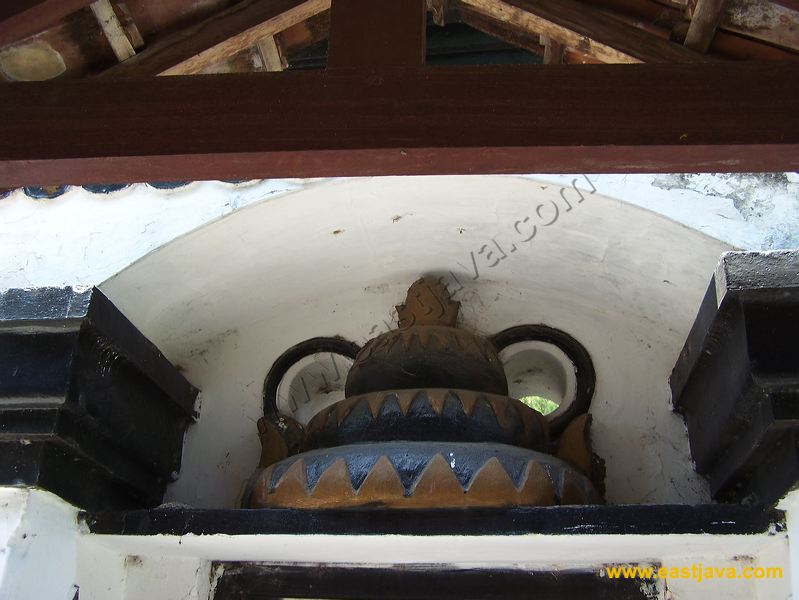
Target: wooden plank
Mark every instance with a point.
(116, 36)
(585, 28)
(508, 119)
(199, 46)
(22, 18)
(704, 21)
(377, 33)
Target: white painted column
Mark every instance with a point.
(38, 545)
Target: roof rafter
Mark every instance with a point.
(194, 48)
(584, 28)
(514, 36)
(761, 20)
(24, 18)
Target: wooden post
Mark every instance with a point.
(706, 18)
(377, 33)
(112, 28)
(553, 51)
(271, 56)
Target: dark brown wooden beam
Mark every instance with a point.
(715, 117)
(22, 18)
(377, 33)
(196, 47)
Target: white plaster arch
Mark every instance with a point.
(225, 300)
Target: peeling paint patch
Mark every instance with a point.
(133, 560)
(769, 200)
(767, 21)
(750, 16)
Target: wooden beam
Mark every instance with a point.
(762, 20)
(742, 26)
(128, 24)
(704, 21)
(22, 18)
(377, 33)
(509, 119)
(742, 48)
(502, 30)
(585, 28)
(199, 46)
(271, 56)
(116, 36)
(516, 37)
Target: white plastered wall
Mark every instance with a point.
(38, 546)
(48, 555)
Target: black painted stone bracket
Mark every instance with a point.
(89, 408)
(737, 379)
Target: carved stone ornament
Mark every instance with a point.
(426, 423)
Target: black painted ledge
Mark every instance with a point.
(736, 381)
(241, 581)
(713, 519)
(90, 409)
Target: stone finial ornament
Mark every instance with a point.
(427, 350)
(426, 423)
(428, 302)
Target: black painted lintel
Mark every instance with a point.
(239, 581)
(714, 519)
